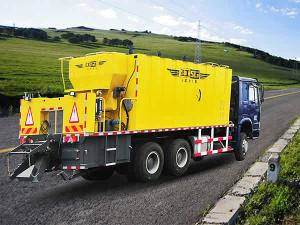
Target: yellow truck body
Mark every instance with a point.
(165, 93)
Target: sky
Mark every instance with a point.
(269, 25)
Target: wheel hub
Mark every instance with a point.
(181, 157)
(152, 162)
(245, 146)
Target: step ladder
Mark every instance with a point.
(33, 166)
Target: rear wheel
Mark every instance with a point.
(242, 148)
(148, 162)
(101, 173)
(178, 157)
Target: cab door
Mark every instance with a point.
(254, 108)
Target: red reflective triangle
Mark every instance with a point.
(29, 119)
(74, 115)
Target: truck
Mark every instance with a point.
(137, 115)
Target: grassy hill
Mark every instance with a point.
(30, 65)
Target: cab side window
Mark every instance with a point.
(245, 92)
(253, 97)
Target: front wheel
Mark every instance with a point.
(148, 162)
(242, 148)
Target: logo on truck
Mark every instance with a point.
(188, 73)
(91, 64)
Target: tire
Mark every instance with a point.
(101, 173)
(241, 150)
(178, 157)
(148, 162)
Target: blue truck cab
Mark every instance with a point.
(247, 95)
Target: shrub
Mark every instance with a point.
(78, 38)
(117, 42)
(56, 38)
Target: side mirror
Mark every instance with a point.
(261, 92)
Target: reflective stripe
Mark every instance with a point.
(109, 133)
(73, 167)
(74, 128)
(221, 150)
(209, 140)
(51, 109)
(30, 130)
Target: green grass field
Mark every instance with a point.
(277, 203)
(30, 65)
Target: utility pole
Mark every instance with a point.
(198, 45)
(296, 65)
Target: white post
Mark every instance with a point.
(227, 134)
(212, 136)
(199, 138)
(274, 168)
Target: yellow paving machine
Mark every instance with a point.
(137, 115)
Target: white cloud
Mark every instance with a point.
(206, 35)
(284, 11)
(242, 30)
(157, 7)
(207, 31)
(187, 28)
(237, 41)
(274, 9)
(289, 12)
(165, 30)
(133, 18)
(166, 20)
(107, 13)
(258, 5)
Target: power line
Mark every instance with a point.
(149, 20)
(186, 17)
(126, 11)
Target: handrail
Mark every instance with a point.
(120, 111)
(62, 60)
(225, 66)
(210, 63)
(93, 53)
(215, 64)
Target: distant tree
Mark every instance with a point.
(105, 41)
(67, 35)
(56, 38)
(75, 39)
(88, 38)
(185, 39)
(115, 41)
(31, 33)
(78, 38)
(127, 42)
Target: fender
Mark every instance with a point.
(239, 129)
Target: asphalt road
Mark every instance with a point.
(117, 201)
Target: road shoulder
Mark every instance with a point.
(227, 209)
